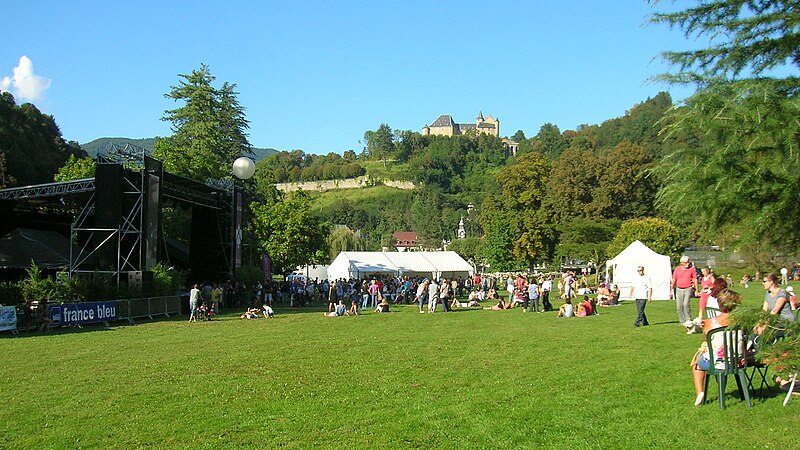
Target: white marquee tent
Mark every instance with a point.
(428, 264)
(622, 269)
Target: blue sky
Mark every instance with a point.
(315, 75)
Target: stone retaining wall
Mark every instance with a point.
(349, 183)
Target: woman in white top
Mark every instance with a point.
(566, 309)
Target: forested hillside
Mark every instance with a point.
(565, 193)
(31, 147)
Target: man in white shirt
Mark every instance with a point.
(642, 292)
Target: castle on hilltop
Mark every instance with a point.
(445, 126)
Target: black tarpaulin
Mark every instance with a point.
(48, 249)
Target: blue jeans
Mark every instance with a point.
(422, 300)
(364, 300)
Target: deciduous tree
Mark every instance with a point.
(658, 234)
(289, 232)
(625, 189)
(522, 200)
(31, 146)
(343, 239)
(75, 169)
(380, 143)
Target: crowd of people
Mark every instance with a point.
(716, 301)
(377, 292)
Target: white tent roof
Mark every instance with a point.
(435, 264)
(622, 269)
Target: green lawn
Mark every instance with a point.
(467, 379)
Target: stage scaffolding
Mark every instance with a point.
(118, 229)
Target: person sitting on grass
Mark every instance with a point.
(728, 301)
(585, 308)
(353, 311)
(268, 312)
(202, 312)
(615, 296)
(518, 300)
(501, 304)
(603, 296)
(251, 313)
(454, 303)
(340, 310)
(566, 309)
(383, 306)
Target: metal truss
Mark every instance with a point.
(48, 189)
(126, 239)
(129, 156)
(188, 195)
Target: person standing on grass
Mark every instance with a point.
(422, 295)
(194, 301)
(706, 283)
(332, 296)
(684, 282)
(547, 286)
(569, 286)
(216, 295)
(642, 292)
(533, 296)
(433, 296)
(444, 294)
(373, 293)
(510, 288)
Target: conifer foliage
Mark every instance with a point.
(209, 129)
(744, 169)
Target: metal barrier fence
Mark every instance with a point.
(138, 308)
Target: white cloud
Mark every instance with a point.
(25, 84)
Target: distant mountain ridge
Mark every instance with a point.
(102, 144)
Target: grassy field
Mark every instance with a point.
(467, 379)
(392, 171)
(376, 194)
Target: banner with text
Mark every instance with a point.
(8, 318)
(78, 313)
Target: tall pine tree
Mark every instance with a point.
(209, 129)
